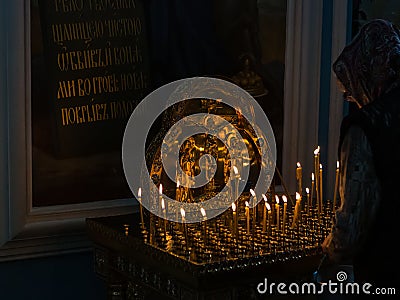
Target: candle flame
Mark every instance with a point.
(235, 170)
(178, 184)
(284, 198)
(139, 192)
(320, 166)
(307, 190)
(162, 203)
(298, 165)
(298, 196)
(276, 198)
(183, 212)
(203, 212)
(316, 151)
(312, 176)
(265, 198)
(247, 204)
(160, 188)
(233, 206)
(252, 192)
(268, 206)
(337, 164)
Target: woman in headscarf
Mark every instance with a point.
(366, 223)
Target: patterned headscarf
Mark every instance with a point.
(369, 66)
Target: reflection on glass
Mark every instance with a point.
(200, 39)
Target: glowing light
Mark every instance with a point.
(235, 170)
(203, 212)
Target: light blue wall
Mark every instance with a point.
(66, 277)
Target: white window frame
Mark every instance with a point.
(27, 231)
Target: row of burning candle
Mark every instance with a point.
(317, 181)
(275, 219)
(243, 236)
(316, 189)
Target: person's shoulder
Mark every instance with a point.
(356, 118)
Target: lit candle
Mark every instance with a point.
(296, 209)
(320, 189)
(277, 211)
(247, 213)
(183, 214)
(178, 197)
(317, 177)
(284, 198)
(178, 190)
(254, 201)
(336, 186)
(140, 206)
(234, 219)
(299, 176)
(264, 226)
(164, 215)
(160, 190)
(312, 188)
(126, 226)
(204, 214)
(269, 216)
(316, 171)
(236, 183)
(308, 200)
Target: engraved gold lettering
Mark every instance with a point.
(66, 89)
(66, 6)
(111, 4)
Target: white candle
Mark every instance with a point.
(284, 198)
(308, 200)
(234, 225)
(264, 226)
(277, 211)
(160, 191)
(312, 188)
(299, 177)
(140, 206)
(178, 190)
(183, 214)
(298, 207)
(254, 201)
(247, 213)
(269, 216)
(317, 177)
(164, 211)
(204, 214)
(336, 186)
(236, 183)
(320, 189)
